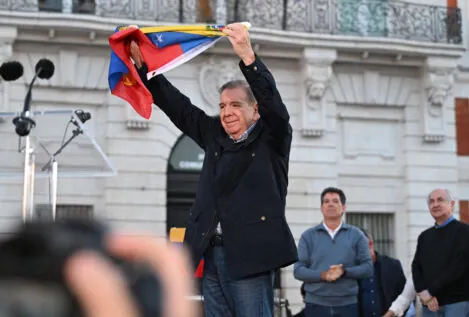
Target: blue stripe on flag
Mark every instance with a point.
(187, 46)
(164, 39)
(116, 68)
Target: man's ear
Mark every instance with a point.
(256, 111)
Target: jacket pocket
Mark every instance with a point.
(261, 237)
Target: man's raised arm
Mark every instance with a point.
(272, 110)
(191, 120)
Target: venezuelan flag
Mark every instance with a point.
(163, 48)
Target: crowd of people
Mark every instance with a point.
(344, 275)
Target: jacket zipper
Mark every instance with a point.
(209, 229)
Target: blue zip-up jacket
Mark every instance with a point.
(317, 251)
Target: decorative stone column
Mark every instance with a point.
(7, 38)
(316, 71)
(438, 79)
(428, 166)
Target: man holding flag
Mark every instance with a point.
(237, 223)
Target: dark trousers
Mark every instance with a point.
(313, 310)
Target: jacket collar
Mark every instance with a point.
(320, 226)
(226, 142)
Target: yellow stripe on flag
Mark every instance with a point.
(207, 30)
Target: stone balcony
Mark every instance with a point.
(364, 18)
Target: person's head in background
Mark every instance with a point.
(371, 245)
(441, 205)
(333, 205)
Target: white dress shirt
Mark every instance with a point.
(402, 302)
(332, 232)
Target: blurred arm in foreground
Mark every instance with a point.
(100, 287)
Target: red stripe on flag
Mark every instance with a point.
(199, 272)
(155, 58)
(137, 96)
(134, 90)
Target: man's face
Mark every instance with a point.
(236, 113)
(440, 206)
(331, 206)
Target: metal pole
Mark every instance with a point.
(31, 186)
(54, 189)
(26, 179)
(28, 182)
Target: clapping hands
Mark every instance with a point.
(333, 273)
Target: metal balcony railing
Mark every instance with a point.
(377, 18)
(50, 5)
(383, 18)
(84, 6)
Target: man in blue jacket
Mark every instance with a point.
(238, 219)
(378, 291)
(333, 256)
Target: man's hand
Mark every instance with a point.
(389, 313)
(433, 304)
(239, 38)
(135, 53)
(333, 273)
(336, 271)
(425, 297)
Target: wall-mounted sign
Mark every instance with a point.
(187, 155)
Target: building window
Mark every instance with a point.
(462, 126)
(464, 211)
(50, 5)
(364, 18)
(379, 225)
(84, 6)
(206, 11)
(43, 212)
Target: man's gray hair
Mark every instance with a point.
(449, 196)
(239, 83)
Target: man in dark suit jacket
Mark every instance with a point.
(377, 292)
(238, 219)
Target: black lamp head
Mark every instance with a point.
(10, 71)
(45, 68)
